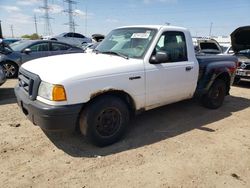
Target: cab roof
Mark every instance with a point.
(158, 27)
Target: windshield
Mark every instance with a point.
(247, 52)
(20, 45)
(131, 42)
(4, 49)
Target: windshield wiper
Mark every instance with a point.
(115, 53)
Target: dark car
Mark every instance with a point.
(25, 50)
(9, 41)
(241, 47)
(2, 76)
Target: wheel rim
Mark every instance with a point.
(108, 122)
(9, 70)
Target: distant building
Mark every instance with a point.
(223, 40)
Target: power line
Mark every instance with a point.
(86, 18)
(47, 18)
(35, 21)
(12, 32)
(210, 30)
(70, 13)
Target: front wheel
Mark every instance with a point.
(104, 121)
(215, 96)
(10, 69)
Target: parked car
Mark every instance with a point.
(90, 47)
(26, 50)
(75, 39)
(9, 41)
(241, 47)
(98, 37)
(207, 46)
(133, 69)
(228, 50)
(2, 76)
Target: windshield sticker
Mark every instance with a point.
(140, 35)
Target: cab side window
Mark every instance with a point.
(174, 44)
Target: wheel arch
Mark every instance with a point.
(123, 95)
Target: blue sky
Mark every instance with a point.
(101, 16)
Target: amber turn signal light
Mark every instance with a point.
(59, 93)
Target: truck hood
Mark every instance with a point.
(241, 38)
(60, 69)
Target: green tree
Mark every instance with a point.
(34, 36)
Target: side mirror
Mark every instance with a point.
(159, 57)
(27, 50)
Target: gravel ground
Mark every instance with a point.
(180, 145)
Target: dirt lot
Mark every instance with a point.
(180, 145)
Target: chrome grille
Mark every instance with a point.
(244, 65)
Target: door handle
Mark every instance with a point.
(134, 77)
(188, 68)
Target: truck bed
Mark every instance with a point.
(204, 59)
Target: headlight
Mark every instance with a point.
(52, 92)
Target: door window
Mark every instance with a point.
(69, 35)
(174, 44)
(59, 47)
(77, 35)
(40, 47)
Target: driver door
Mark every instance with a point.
(173, 80)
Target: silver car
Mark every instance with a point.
(75, 39)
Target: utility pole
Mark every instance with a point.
(47, 26)
(12, 32)
(35, 21)
(210, 30)
(70, 12)
(1, 33)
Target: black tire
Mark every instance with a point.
(215, 96)
(53, 39)
(10, 69)
(104, 121)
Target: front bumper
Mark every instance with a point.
(243, 73)
(51, 118)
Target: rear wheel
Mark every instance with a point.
(105, 120)
(10, 69)
(215, 96)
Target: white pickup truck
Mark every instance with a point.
(134, 69)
